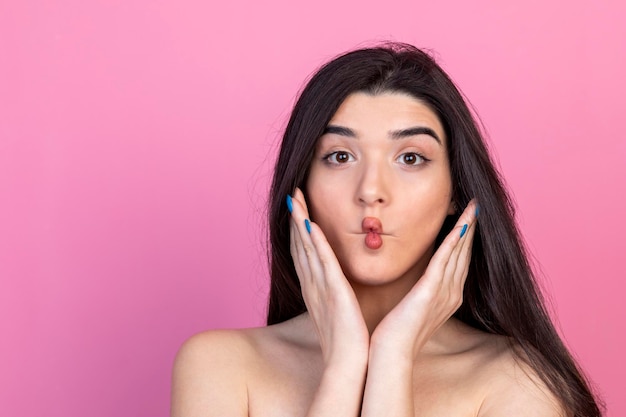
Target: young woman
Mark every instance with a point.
(400, 286)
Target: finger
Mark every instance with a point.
(327, 258)
(460, 258)
(468, 218)
(305, 246)
(443, 254)
(300, 260)
(298, 215)
(300, 244)
(465, 255)
(445, 258)
(302, 222)
(299, 196)
(466, 223)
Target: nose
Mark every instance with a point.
(372, 187)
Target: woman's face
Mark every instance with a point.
(380, 187)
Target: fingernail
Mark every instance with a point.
(477, 210)
(308, 225)
(463, 230)
(289, 203)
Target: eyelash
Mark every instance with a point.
(327, 158)
(417, 155)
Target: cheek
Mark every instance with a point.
(321, 208)
(321, 194)
(325, 209)
(425, 205)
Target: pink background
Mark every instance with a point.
(136, 144)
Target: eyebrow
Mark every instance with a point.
(394, 134)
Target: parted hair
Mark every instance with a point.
(501, 295)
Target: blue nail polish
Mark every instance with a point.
(477, 210)
(289, 203)
(463, 230)
(308, 225)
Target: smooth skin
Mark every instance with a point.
(378, 338)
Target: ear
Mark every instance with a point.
(452, 208)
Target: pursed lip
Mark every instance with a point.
(365, 233)
(372, 224)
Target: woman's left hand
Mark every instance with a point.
(434, 298)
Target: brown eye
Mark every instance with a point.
(411, 158)
(339, 157)
(342, 157)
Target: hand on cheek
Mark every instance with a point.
(436, 295)
(329, 298)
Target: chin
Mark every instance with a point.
(372, 275)
(384, 266)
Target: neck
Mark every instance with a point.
(377, 301)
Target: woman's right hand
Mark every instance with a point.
(329, 298)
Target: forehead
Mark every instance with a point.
(381, 113)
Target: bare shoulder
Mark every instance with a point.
(214, 371)
(209, 375)
(514, 388)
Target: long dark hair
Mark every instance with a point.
(501, 294)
